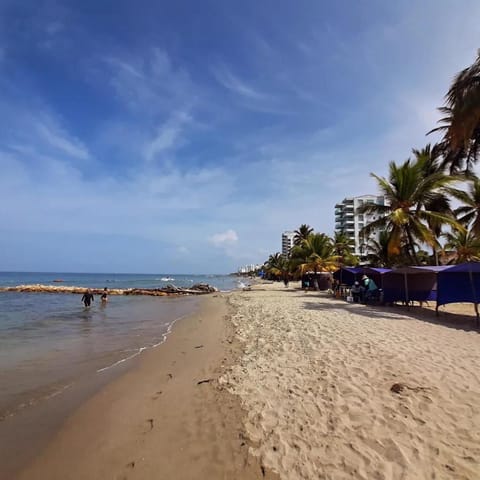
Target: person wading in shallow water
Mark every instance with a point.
(87, 298)
(104, 297)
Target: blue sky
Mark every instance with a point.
(185, 136)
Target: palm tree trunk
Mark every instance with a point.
(411, 246)
(315, 280)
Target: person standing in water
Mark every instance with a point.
(87, 298)
(104, 297)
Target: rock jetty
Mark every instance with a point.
(169, 290)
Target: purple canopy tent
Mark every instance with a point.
(347, 275)
(408, 284)
(376, 274)
(460, 283)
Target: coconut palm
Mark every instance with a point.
(302, 233)
(430, 160)
(468, 214)
(315, 254)
(278, 265)
(407, 192)
(461, 121)
(378, 250)
(464, 243)
(343, 248)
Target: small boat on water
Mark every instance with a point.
(167, 279)
(58, 280)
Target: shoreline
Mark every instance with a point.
(166, 413)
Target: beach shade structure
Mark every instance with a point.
(376, 274)
(460, 283)
(348, 275)
(407, 284)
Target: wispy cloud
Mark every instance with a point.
(235, 85)
(151, 84)
(59, 139)
(167, 136)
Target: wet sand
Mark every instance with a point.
(167, 417)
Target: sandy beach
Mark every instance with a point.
(316, 380)
(281, 383)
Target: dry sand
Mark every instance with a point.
(157, 421)
(316, 376)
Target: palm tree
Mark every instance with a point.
(465, 244)
(315, 254)
(278, 265)
(461, 123)
(302, 233)
(378, 254)
(468, 214)
(343, 248)
(430, 160)
(407, 192)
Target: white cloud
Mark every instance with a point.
(167, 137)
(225, 239)
(151, 84)
(59, 139)
(232, 83)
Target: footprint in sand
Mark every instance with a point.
(150, 422)
(157, 394)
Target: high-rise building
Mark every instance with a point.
(349, 222)
(287, 242)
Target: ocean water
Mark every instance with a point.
(48, 342)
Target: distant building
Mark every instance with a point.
(249, 268)
(349, 222)
(287, 242)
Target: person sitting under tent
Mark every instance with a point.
(357, 292)
(371, 289)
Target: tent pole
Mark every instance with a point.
(475, 303)
(406, 289)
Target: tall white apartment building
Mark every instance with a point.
(287, 242)
(348, 221)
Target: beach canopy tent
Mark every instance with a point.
(459, 283)
(407, 284)
(348, 275)
(376, 274)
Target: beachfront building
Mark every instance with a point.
(287, 242)
(251, 268)
(349, 222)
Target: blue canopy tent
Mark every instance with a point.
(460, 283)
(376, 274)
(347, 275)
(409, 284)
